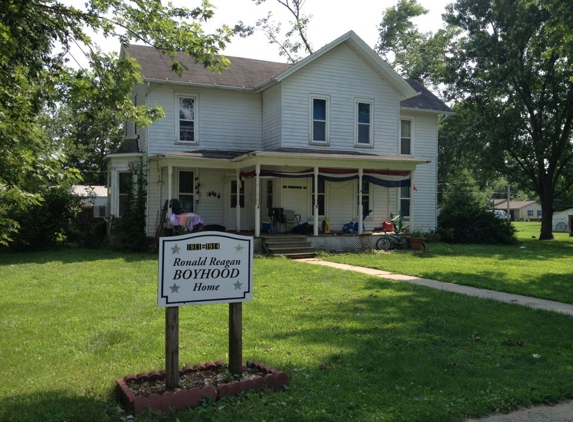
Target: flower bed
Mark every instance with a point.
(138, 393)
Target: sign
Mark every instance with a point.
(205, 267)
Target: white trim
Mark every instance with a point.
(412, 126)
(311, 139)
(370, 102)
(195, 98)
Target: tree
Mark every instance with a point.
(513, 70)
(287, 47)
(36, 37)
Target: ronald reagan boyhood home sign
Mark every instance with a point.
(205, 267)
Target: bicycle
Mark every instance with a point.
(392, 241)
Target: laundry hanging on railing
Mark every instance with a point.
(385, 178)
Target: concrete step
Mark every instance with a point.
(294, 247)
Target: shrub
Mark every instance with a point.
(464, 219)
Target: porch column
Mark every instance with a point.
(238, 201)
(411, 223)
(360, 207)
(169, 187)
(257, 201)
(315, 205)
(113, 184)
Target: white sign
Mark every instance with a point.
(205, 267)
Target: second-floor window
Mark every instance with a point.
(186, 124)
(406, 137)
(319, 128)
(363, 136)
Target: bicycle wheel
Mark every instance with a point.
(383, 244)
(403, 242)
(561, 227)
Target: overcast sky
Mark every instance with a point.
(330, 19)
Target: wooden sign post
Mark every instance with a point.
(203, 268)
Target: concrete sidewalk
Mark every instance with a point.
(562, 412)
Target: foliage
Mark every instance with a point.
(130, 226)
(36, 39)
(511, 67)
(355, 347)
(46, 223)
(464, 218)
(288, 47)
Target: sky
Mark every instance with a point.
(330, 19)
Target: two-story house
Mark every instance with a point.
(332, 137)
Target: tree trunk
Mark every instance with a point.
(546, 218)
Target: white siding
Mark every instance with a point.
(272, 113)
(345, 77)
(425, 146)
(226, 120)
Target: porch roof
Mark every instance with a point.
(293, 157)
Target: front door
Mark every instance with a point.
(234, 199)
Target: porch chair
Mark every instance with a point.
(290, 217)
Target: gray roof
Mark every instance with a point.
(425, 101)
(243, 73)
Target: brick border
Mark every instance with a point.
(182, 399)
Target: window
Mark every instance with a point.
(530, 213)
(364, 123)
(125, 183)
(134, 124)
(186, 124)
(406, 137)
(319, 128)
(365, 197)
(405, 201)
(241, 195)
(186, 190)
(321, 197)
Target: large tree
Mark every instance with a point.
(36, 37)
(512, 68)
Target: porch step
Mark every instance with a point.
(293, 247)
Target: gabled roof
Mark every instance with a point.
(257, 75)
(425, 101)
(244, 74)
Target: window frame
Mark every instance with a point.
(411, 121)
(195, 120)
(402, 199)
(240, 194)
(123, 195)
(191, 194)
(326, 99)
(357, 123)
(366, 197)
(321, 197)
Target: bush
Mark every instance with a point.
(47, 223)
(465, 219)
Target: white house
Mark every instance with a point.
(520, 210)
(93, 196)
(330, 137)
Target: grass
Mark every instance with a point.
(542, 269)
(356, 347)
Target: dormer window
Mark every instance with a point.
(186, 124)
(320, 119)
(363, 136)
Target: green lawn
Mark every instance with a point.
(355, 347)
(542, 269)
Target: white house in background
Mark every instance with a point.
(562, 220)
(94, 196)
(330, 137)
(520, 210)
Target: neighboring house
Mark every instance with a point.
(93, 196)
(562, 220)
(520, 210)
(330, 137)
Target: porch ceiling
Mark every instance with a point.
(288, 157)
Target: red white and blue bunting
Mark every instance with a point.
(385, 178)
